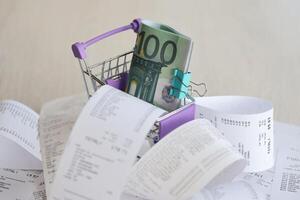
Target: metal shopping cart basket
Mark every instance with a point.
(114, 71)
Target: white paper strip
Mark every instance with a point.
(19, 143)
(287, 175)
(189, 158)
(247, 122)
(103, 146)
(55, 124)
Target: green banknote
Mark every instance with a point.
(158, 51)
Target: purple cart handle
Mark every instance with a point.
(79, 48)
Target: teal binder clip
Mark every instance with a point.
(180, 84)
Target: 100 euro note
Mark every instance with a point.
(159, 50)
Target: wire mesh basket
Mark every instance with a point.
(99, 74)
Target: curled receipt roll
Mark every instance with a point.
(247, 122)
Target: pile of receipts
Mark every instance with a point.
(88, 150)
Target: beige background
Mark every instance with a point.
(249, 47)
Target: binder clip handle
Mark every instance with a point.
(202, 85)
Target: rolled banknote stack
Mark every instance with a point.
(159, 49)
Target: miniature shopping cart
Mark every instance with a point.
(114, 72)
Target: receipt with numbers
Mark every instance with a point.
(247, 122)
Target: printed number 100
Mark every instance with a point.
(144, 45)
